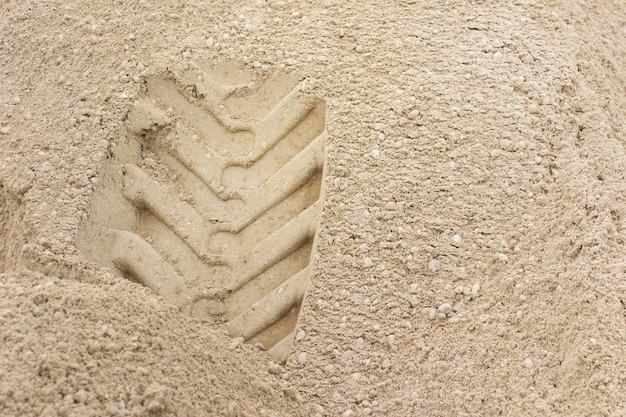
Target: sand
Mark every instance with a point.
(469, 255)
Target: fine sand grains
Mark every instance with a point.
(471, 243)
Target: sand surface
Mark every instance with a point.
(469, 254)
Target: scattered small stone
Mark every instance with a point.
(300, 335)
(5, 130)
(302, 357)
(367, 262)
(69, 399)
(210, 42)
(475, 289)
(375, 153)
(432, 265)
(445, 308)
(81, 396)
(533, 108)
(413, 114)
(457, 239)
(528, 363)
(505, 143)
(360, 342)
(431, 313)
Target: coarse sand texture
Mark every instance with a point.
(312, 208)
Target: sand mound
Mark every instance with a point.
(470, 220)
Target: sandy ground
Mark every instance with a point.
(471, 246)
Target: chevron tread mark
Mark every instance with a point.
(219, 190)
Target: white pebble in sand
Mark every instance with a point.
(360, 342)
(81, 396)
(367, 262)
(302, 357)
(445, 308)
(533, 108)
(457, 239)
(432, 265)
(413, 114)
(300, 335)
(210, 42)
(528, 363)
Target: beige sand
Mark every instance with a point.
(470, 252)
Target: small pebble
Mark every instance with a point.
(445, 308)
(367, 262)
(375, 153)
(5, 130)
(300, 335)
(302, 357)
(475, 289)
(432, 265)
(431, 313)
(533, 108)
(81, 396)
(528, 363)
(413, 114)
(210, 42)
(457, 239)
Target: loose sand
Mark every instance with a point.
(470, 251)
